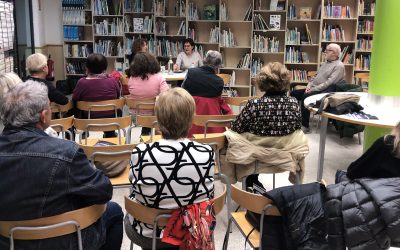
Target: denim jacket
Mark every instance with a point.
(44, 176)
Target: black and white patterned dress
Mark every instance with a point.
(269, 115)
(170, 174)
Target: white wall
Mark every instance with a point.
(52, 22)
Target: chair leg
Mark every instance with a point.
(273, 181)
(226, 238)
(359, 138)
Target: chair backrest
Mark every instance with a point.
(219, 141)
(226, 78)
(103, 124)
(62, 125)
(219, 201)
(108, 153)
(148, 121)
(84, 217)
(238, 101)
(139, 105)
(207, 121)
(105, 105)
(253, 202)
(61, 108)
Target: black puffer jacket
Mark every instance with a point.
(363, 214)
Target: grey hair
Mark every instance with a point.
(213, 59)
(23, 104)
(36, 62)
(336, 47)
(8, 81)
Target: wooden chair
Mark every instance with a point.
(53, 226)
(101, 106)
(207, 121)
(238, 101)
(149, 121)
(103, 124)
(111, 153)
(140, 105)
(159, 217)
(255, 203)
(226, 78)
(57, 108)
(63, 125)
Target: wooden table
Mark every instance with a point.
(174, 76)
(386, 119)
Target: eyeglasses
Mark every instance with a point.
(329, 50)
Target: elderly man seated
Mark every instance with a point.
(330, 73)
(47, 176)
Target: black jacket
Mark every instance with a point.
(203, 82)
(301, 207)
(54, 94)
(363, 214)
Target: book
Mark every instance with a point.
(305, 12)
(317, 13)
(247, 16)
(138, 24)
(275, 22)
(273, 5)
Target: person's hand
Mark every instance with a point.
(308, 90)
(175, 67)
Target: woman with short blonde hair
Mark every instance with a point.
(8, 81)
(173, 172)
(274, 77)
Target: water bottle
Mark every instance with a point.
(170, 66)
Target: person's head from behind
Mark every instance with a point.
(213, 59)
(396, 143)
(96, 64)
(188, 46)
(26, 104)
(273, 78)
(144, 64)
(8, 81)
(332, 52)
(36, 64)
(139, 45)
(175, 109)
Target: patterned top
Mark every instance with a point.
(170, 174)
(270, 115)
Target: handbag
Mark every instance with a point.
(339, 103)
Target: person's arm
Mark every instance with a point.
(365, 165)
(163, 84)
(87, 184)
(242, 121)
(336, 75)
(178, 63)
(55, 95)
(225, 109)
(76, 94)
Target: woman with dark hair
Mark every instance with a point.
(139, 45)
(97, 86)
(188, 57)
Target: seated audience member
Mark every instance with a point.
(139, 45)
(330, 73)
(47, 176)
(206, 88)
(188, 58)
(7, 82)
(381, 160)
(97, 86)
(173, 172)
(274, 114)
(36, 64)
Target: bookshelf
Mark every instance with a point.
(248, 33)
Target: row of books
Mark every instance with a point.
(193, 12)
(347, 55)
(214, 35)
(74, 3)
(298, 75)
(296, 37)
(227, 39)
(108, 7)
(134, 6)
(244, 62)
(366, 7)
(77, 50)
(364, 44)
(161, 27)
(249, 11)
(223, 12)
(75, 67)
(182, 29)
(200, 49)
(113, 28)
(259, 23)
(139, 24)
(109, 48)
(333, 33)
(337, 11)
(73, 32)
(256, 66)
(74, 17)
(304, 12)
(160, 7)
(363, 62)
(294, 55)
(366, 26)
(180, 8)
(265, 44)
(166, 48)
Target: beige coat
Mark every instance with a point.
(253, 154)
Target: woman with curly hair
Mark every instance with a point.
(274, 114)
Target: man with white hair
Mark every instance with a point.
(36, 64)
(331, 72)
(47, 176)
